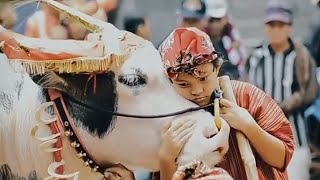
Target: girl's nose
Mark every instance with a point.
(197, 90)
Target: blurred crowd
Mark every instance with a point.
(280, 65)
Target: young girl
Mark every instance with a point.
(192, 65)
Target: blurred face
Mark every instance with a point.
(278, 32)
(197, 90)
(201, 24)
(144, 30)
(50, 10)
(8, 16)
(216, 26)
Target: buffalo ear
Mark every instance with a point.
(51, 80)
(70, 83)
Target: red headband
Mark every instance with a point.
(184, 49)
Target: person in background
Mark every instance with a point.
(138, 25)
(107, 10)
(101, 12)
(75, 29)
(45, 23)
(313, 36)
(8, 15)
(86, 6)
(283, 68)
(226, 39)
(193, 14)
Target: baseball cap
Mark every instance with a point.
(216, 8)
(278, 11)
(193, 9)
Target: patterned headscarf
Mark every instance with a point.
(184, 49)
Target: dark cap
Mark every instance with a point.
(278, 11)
(193, 9)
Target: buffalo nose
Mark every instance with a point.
(209, 132)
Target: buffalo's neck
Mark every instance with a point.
(96, 122)
(17, 120)
(98, 92)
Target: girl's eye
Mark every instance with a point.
(183, 84)
(204, 78)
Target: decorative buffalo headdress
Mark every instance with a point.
(109, 48)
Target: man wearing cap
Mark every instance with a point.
(193, 14)
(283, 68)
(225, 38)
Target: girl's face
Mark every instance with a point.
(197, 89)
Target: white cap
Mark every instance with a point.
(315, 2)
(216, 8)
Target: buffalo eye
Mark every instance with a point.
(132, 80)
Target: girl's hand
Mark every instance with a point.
(119, 172)
(237, 117)
(174, 136)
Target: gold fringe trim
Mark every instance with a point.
(75, 65)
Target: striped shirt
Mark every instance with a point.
(275, 74)
(269, 117)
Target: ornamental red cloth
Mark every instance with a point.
(14, 50)
(184, 49)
